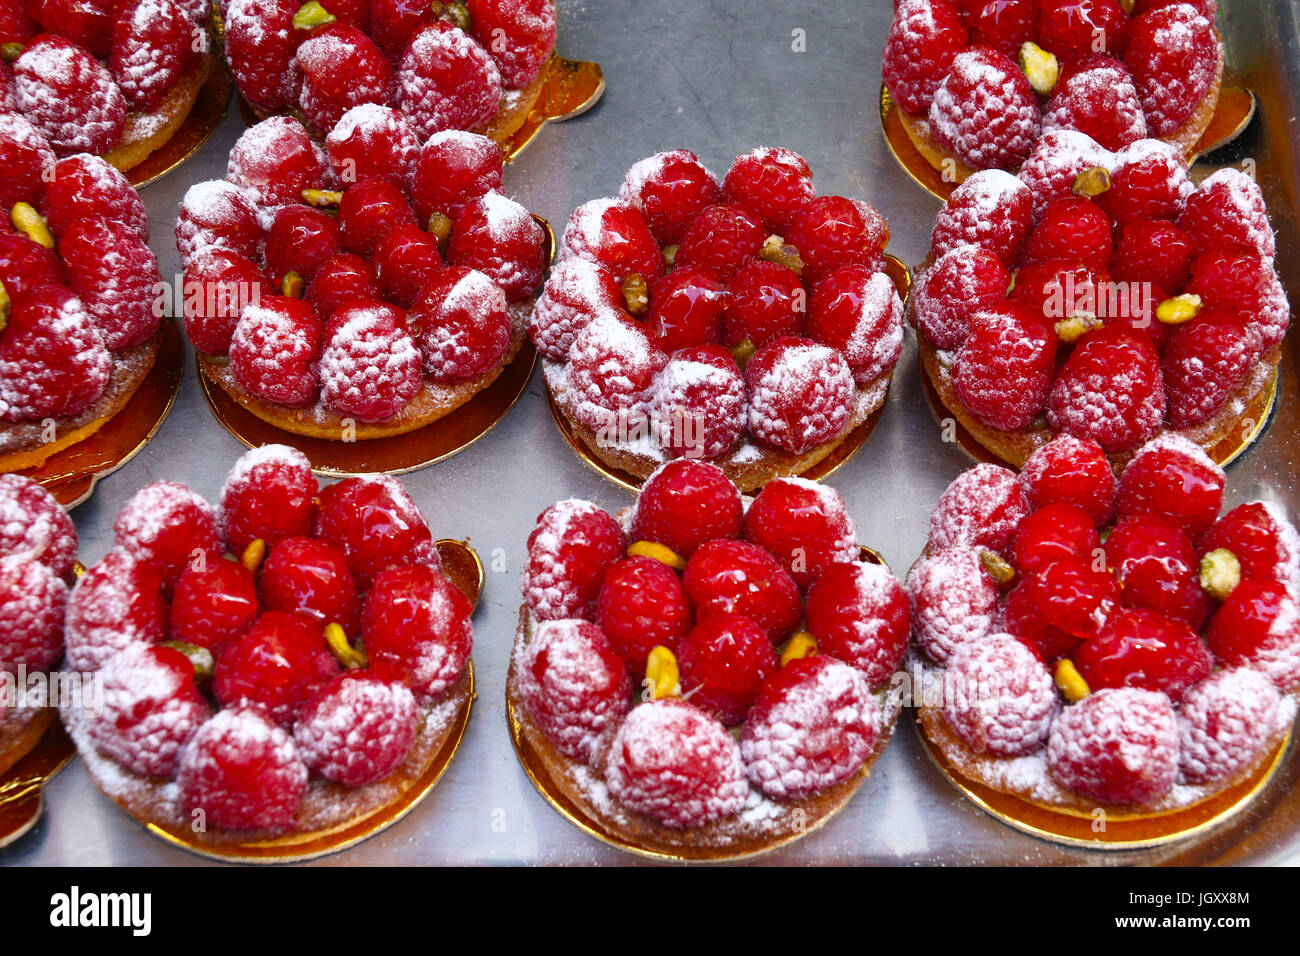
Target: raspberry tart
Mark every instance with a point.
(751, 323)
(710, 678)
(285, 703)
(1104, 296)
(1101, 661)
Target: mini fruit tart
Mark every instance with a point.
(977, 82)
(116, 80)
(360, 291)
(1104, 296)
(1106, 651)
(284, 703)
(720, 686)
(751, 324)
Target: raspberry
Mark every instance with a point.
(953, 601)
(1020, 619)
(573, 686)
(1228, 208)
(151, 710)
(373, 520)
(1172, 54)
(24, 155)
(242, 772)
(720, 240)
(859, 614)
(685, 309)
(417, 624)
(69, 96)
(341, 280)
(1259, 536)
(34, 524)
(499, 238)
(1157, 566)
(832, 232)
(1071, 470)
(369, 367)
(673, 763)
(1140, 648)
(447, 81)
(981, 508)
(260, 43)
(569, 550)
(1053, 532)
(340, 67)
(1149, 181)
(275, 161)
(406, 260)
(278, 663)
(32, 600)
(1064, 289)
(1259, 625)
(1172, 478)
(1004, 25)
(52, 358)
(612, 371)
(117, 603)
(453, 168)
(520, 34)
(1073, 29)
(991, 209)
(309, 576)
(575, 293)
(765, 301)
(1004, 700)
(804, 525)
(1109, 389)
(464, 325)
(641, 605)
(1230, 278)
(1119, 745)
(394, 22)
(923, 39)
(167, 527)
(809, 703)
(116, 276)
(1205, 361)
(670, 189)
(1099, 100)
(1004, 369)
(699, 403)
(858, 312)
(984, 111)
(685, 504)
(369, 211)
(800, 394)
(85, 185)
(15, 23)
(772, 181)
(1075, 595)
(959, 283)
(357, 729)
(153, 45)
(213, 605)
(1275, 313)
(1056, 161)
(217, 215)
(725, 577)
(1151, 250)
(373, 142)
(300, 240)
(615, 237)
(1072, 228)
(269, 494)
(725, 659)
(1224, 724)
(274, 348)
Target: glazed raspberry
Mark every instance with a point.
(1173, 54)
(720, 240)
(373, 520)
(1099, 100)
(274, 348)
(615, 237)
(1057, 159)
(725, 660)
(832, 232)
(1157, 565)
(1172, 478)
(859, 614)
(153, 45)
(373, 142)
(1257, 533)
(369, 367)
(569, 550)
(1072, 470)
(573, 686)
(302, 574)
(959, 283)
(300, 240)
(981, 508)
(32, 599)
(34, 524)
(612, 370)
(991, 209)
(275, 161)
(953, 599)
(260, 43)
(447, 81)
(1224, 724)
(1020, 618)
(464, 325)
(1063, 289)
(765, 301)
(217, 215)
(213, 605)
(641, 605)
(1002, 24)
(24, 154)
(243, 772)
(858, 312)
(357, 729)
(499, 238)
(675, 764)
(116, 276)
(277, 664)
(800, 394)
(1072, 228)
(52, 357)
(15, 24)
(814, 725)
(453, 168)
(699, 403)
(269, 494)
(725, 577)
(406, 260)
(393, 23)
(1228, 208)
(1148, 181)
(984, 111)
(1259, 625)
(1205, 361)
(1232, 279)
(341, 280)
(1151, 250)
(772, 181)
(151, 710)
(1119, 745)
(1051, 533)
(670, 189)
(1140, 648)
(686, 309)
(1075, 595)
(1073, 29)
(520, 34)
(369, 211)
(923, 39)
(417, 624)
(1109, 389)
(1004, 700)
(686, 503)
(86, 185)
(1004, 369)
(69, 96)
(575, 293)
(340, 67)
(167, 526)
(804, 525)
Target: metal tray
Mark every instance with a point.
(718, 77)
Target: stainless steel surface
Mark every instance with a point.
(718, 77)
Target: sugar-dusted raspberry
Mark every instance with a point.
(832, 232)
(417, 624)
(1204, 363)
(452, 168)
(984, 112)
(573, 685)
(1072, 228)
(773, 181)
(300, 240)
(698, 409)
(1173, 53)
(218, 215)
(1004, 369)
(116, 276)
(213, 605)
(804, 525)
(1119, 745)
(1224, 724)
(277, 664)
(675, 764)
(724, 660)
(721, 239)
(1003, 700)
(765, 301)
(1172, 478)
(312, 577)
(499, 238)
(26, 265)
(369, 366)
(464, 325)
(274, 348)
(447, 81)
(1099, 100)
(612, 370)
(25, 154)
(167, 526)
(1075, 29)
(377, 524)
(34, 524)
(991, 209)
(1274, 317)
(576, 291)
(369, 211)
(260, 41)
(520, 34)
(954, 600)
(85, 185)
(923, 39)
(243, 772)
(981, 508)
(1152, 250)
(357, 729)
(1228, 207)
(959, 283)
(726, 577)
(52, 357)
(151, 710)
(116, 603)
(686, 503)
(1231, 278)
(1004, 25)
(1073, 470)
(1109, 389)
(641, 605)
(69, 96)
(1056, 161)
(1259, 625)
(32, 601)
(1148, 181)
(859, 613)
(342, 280)
(372, 141)
(858, 312)
(339, 68)
(569, 551)
(800, 394)
(1156, 564)
(1021, 619)
(1258, 534)
(276, 160)
(1052, 532)
(670, 189)
(1140, 648)
(686, 309)
(153, 45)
(268, 494)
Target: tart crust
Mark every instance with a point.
(21, 729)
(146, 132)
